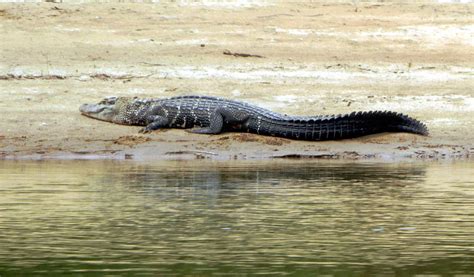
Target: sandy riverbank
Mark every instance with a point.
(317, 58)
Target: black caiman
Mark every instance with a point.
(212, 115)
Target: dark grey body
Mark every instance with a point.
(216, 115)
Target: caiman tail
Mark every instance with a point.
(343, 126)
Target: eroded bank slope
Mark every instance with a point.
(317, 58)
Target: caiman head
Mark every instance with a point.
(111, 109)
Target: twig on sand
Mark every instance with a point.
(195, 152)
(244, 55)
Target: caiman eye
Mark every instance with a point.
(109, 100)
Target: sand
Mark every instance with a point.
(316, 58)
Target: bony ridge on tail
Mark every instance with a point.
(212, 115)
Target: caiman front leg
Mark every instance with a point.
(220, 117)
(157, 122)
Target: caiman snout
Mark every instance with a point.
(91, 108)
(98, 111)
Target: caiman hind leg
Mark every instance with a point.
(219, 118)
(157, 122)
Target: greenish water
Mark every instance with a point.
(203, 218)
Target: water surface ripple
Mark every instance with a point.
(201, 218)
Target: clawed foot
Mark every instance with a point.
(145, 131)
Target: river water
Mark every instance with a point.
(203, 218)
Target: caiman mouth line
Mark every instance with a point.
(91, 108)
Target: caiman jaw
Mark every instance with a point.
(87, 109)
(99, 111)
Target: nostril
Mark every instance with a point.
(83, 108)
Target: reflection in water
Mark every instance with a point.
(205, 217)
